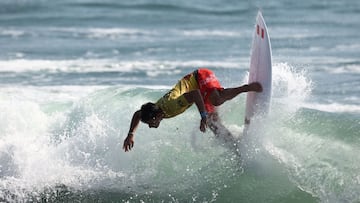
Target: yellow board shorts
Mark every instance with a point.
(174, 103)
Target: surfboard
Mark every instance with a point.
(260, 71)
(257, 103)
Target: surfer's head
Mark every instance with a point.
(151, 115)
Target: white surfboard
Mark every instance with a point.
(260, 71)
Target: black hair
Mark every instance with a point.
(149, 111)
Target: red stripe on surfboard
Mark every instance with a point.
(262, 33)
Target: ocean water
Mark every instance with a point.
(72, 73)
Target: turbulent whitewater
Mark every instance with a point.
(72, 73)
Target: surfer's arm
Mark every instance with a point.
(195, 97)
(129, 140)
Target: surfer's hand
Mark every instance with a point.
(203, 124)
(255, 86)
(128, 142)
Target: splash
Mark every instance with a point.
(70, 146)
(291, 87)
(301, 139)
(73, 147)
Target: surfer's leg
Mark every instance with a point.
(222, 133)
(219, 130)
(218, 97)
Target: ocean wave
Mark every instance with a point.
(78, 32)
(308, 159)
(116, 33)
(18, 6)
(13, 33)
(72, 136)
(220, 33)
(106, 65)
(334, 107)
(99, 32)
(193, 8)
(79, 146)
(97, 72)
(346, 68)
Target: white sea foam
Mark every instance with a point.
(290, 33)
(106, 65)
(217, 33)
(347, 47)
(14, 33)
(118, 32)
(290, 87)
(334, 107)
(351, 68)
(318, 165)
(30, 154)
(99, 32)
(112, 33)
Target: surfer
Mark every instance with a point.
(200, 87)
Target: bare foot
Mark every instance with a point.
(255, 86)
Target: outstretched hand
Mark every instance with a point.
(203, 124)
(128, 143)
(255, 86)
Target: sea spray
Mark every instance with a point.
(316, 161)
